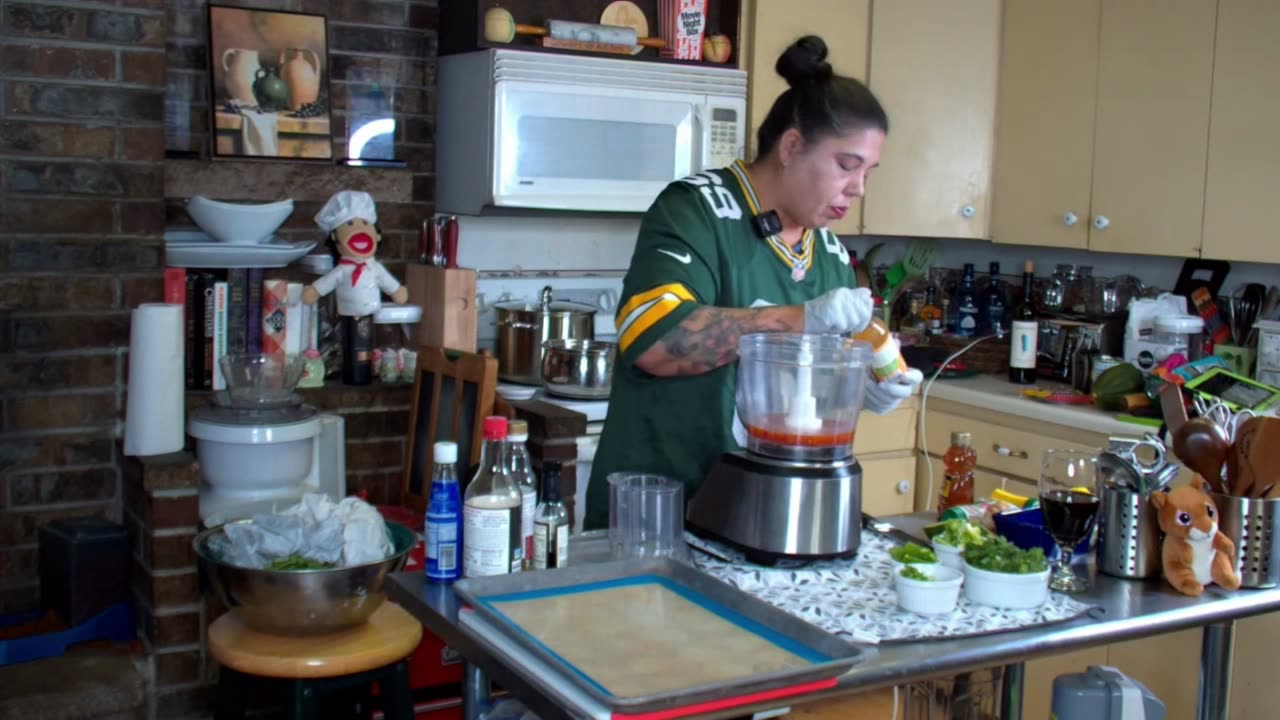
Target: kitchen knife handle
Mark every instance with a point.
(451, 242)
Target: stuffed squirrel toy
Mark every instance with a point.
(1195, 552)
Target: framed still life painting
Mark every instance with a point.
(269, 76)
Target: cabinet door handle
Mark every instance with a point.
(904, 487)
(968, 211)
(1010, 452)
(1101, 222)
(1070, 219)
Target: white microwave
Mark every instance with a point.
(549, 131)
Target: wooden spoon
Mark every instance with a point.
(1202, 446)
(1172, 407)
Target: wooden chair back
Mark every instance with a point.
(453, 391)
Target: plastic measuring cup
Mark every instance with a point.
(646, 516)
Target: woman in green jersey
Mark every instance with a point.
(734, 251)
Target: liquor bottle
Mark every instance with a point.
(444, 515)
(491, 540)
(958, 464)
(1024, 333)
(913, 330)
(521, 468)
(551, 523)
(994, 304)
(931, 313)
(967, 304)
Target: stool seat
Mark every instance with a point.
(390, 635)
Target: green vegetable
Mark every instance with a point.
(1002, 556)
(1111, 387)
(297, 562)
(913, 553)
(962, 534)
(913, 573)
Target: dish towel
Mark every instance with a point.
(259, 134)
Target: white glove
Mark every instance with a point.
(843, 310)
(882, 397)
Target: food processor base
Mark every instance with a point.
(774, 509)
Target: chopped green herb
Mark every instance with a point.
(913, 553)
(913, 573)
(297, 562)
(1003, 556)
(962, 534)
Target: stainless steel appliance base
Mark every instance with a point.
(774, 509)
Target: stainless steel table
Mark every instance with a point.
(1125, 610)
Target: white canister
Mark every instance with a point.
(1180, 334)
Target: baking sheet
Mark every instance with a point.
(651, 635)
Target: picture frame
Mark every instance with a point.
(269, 95)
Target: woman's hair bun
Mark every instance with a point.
(804, 61)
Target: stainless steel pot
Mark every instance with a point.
(579, 368)
(524, 328)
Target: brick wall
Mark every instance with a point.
(81, 213)
(86, 91)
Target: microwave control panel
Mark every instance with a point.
(726, 144)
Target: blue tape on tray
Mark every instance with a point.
(724, 613)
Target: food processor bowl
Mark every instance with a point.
(261, 379)
(799, 395)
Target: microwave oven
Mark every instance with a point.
(551, 131)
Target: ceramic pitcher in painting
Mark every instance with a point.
(300, 69)
(241, 67)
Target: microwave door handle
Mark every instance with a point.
(699, 137)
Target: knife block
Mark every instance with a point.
(448, 300)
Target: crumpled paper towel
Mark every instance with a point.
(350, 532)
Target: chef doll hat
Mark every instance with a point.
(346, 205)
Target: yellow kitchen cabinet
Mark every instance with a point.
(1244, 148)
(933, 65)
(771, 26)
(1044, 129)
(888, 484)
(1169, 665)
(1155, 70)
(1142, 135)
(1254, 690)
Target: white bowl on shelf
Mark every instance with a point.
(238, 223)
(1012, 591)
(936, 596)
(949, 555)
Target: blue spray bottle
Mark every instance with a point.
(444, 516)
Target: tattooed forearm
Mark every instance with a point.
(708, 338)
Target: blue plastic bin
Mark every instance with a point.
(114, 623)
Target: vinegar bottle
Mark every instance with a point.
(886, 359)
(521, 467)
(957, 479)
(492, 543)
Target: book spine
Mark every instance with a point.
(275, 294)
(219, 333)
(207, 297)
(295, 333)
(237, 311)
(253, 312)
(191, 316)
(175, 286)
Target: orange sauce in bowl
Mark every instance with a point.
(774, 430)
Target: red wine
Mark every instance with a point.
(1068, 516)
(1024, 332)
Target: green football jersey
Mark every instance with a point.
(697, 246)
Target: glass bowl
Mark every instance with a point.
(260, 379)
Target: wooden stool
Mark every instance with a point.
(316, 664)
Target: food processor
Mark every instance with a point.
(796, 489)
(259, 446)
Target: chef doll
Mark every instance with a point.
(350, 219)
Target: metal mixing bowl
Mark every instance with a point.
(302, 602)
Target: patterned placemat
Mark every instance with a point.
(855, 599)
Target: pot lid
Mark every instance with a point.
(547, 305)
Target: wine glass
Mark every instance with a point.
(1069, 500)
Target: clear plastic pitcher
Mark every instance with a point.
(646, 516)
(799, 395)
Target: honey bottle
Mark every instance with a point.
(957, 479)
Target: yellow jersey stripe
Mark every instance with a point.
(635, 301)
(659, 310)
(739, 170)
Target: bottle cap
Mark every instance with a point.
(961, 439)
(518, 430)
(495, 427)
(445, 452)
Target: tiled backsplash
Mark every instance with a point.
(588, 243)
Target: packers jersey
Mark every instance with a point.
(697, 245)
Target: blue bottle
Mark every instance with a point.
(444, 516)
(994, 305)
(966, 304)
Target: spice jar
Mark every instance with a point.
(395, 357)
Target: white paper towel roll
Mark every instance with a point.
(153, 422)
